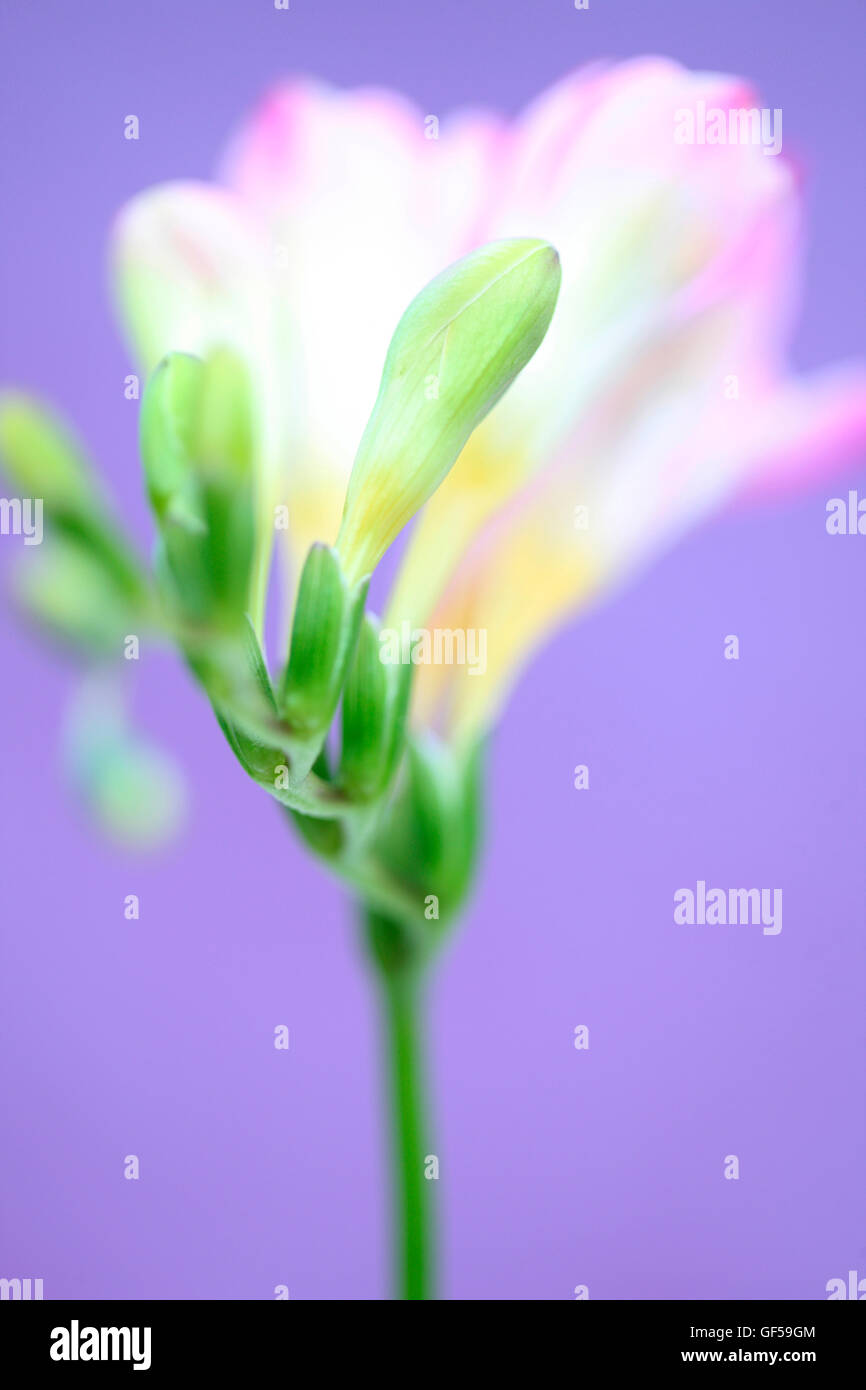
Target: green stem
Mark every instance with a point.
(401, 978)
(259, 579)
(413, 1234)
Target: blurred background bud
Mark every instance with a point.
(133, 790)
(64, 590)
(41, 458)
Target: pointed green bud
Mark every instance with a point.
(167, 423)
(167, 427)
(225, 452)
(375, 702)
(325, 629)
(456, 350)
(197, 450)
(43, 459)
(224, 442)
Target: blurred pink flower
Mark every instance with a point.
(660, 393)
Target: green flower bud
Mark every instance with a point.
(325, 629)
(456, 350)
(167, 439)
(224, 442)
(375, 702)
(197, 449)
(43, 459)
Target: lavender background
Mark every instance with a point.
(558, 1167)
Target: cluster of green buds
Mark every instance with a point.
(393, 810)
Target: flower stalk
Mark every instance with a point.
(401, 980)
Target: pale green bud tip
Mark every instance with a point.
(167, 428)
(40, 456)
(196, 421)
(455, 351)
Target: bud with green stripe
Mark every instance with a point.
(197, 450)
(375, 702)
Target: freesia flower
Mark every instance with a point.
(556, 426)
(660, 392)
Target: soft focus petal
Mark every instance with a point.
(191, 274)
(651, 233)
(809, 431)
(681, 266)
(190, 271)
(653, 470)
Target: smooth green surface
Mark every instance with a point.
(456, 350)
(402, 994)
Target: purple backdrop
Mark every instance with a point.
(155, 1037)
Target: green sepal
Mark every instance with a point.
(326, 838)
(234, 674)
(236, 677)
(430, 838)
